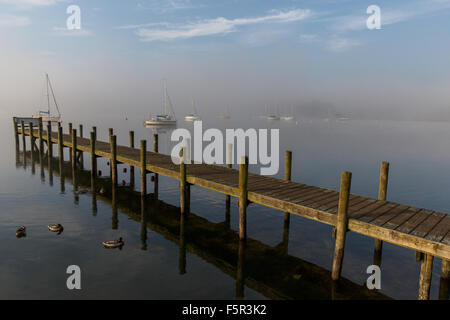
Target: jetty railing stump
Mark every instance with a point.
(114, 160)
(74, 153)
(425, 277)
(243, 197)
(60, 150)
(341, 225)
(110, 134)
(143, 168)
(382, 194)
(132, 167)
(30, 126)
(16, 135)
(70, 134)
(155, 176)
(93, 161)
(24, 144)
(50, 152)
(41, 142)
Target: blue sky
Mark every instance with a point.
(247, 51)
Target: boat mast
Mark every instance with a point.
(49, 84)
(166, 98)
(48, 95)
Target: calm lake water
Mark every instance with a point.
(202, 260)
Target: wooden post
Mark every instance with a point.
(114, 159)
(156, 182)
(94, 129)
(93, 160)
(41, 143)
(30, 126)
(183, 192)
(143, 168)
(49, 143)
(342, 224)
(425, 277)
(182, 255)
(287, 177)
(132, 167)
(110, 134)
(60, 150)
(16, 134)
(227, 197)
(24, 144)
(74, 149)
(445, 280)
(81, 152)
(382, 192)
(243, 198)
(70, 134)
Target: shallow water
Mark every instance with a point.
(206, 263)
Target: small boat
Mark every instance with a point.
(193, 116)
(114, 243)
(45, 115)
(21, 232)
(290, 116)
(56, 228)
(226, 115)
(268, 116)
(166, 118)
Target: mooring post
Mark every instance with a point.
(243, 197)
(94, 129)
(287, 177)
(183, 192)
(132, 167)
(382, 193)
(81, 152)
(425, 277)
(143, 168)
(110, 134)
(155, 176)
(16, 134)
(445, 280)
(60, 150)
(342, 225)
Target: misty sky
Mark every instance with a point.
(245, 53)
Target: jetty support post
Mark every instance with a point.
(114, 160)
(24, 144)
(60, 150)
(341, 225)
(243, 197)
(132, 167)
(287, 216)
(81, 152)
(425, 277)
(155, 176)
(143, 168)
(30, 126)
(70, 134)
(74, 152)
(229, 162)
(382, 193)
(41, 142)
(93, 161)
(110, 134)
(16, 134)
(49, 143)
(183, 183)
(445, 280)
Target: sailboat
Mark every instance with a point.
(46, 116)
(193, 116)
(226, 115)
(166, 118)
(270, 116)
(288, 117)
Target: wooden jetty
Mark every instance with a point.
(283, 277)
(425, 231)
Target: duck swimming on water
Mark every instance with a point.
(56, 228)
(21, 232)
(114, 243)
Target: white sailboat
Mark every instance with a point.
(45, 115)
(193, 116)
(226, 115)
(288, 117)
(270, 116)
(166, 118)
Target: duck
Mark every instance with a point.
(114, 243)
(56, 228)
(21, 232)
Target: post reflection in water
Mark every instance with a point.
(115, 218)
(182, 241)
(240, 273)
(143, 223)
